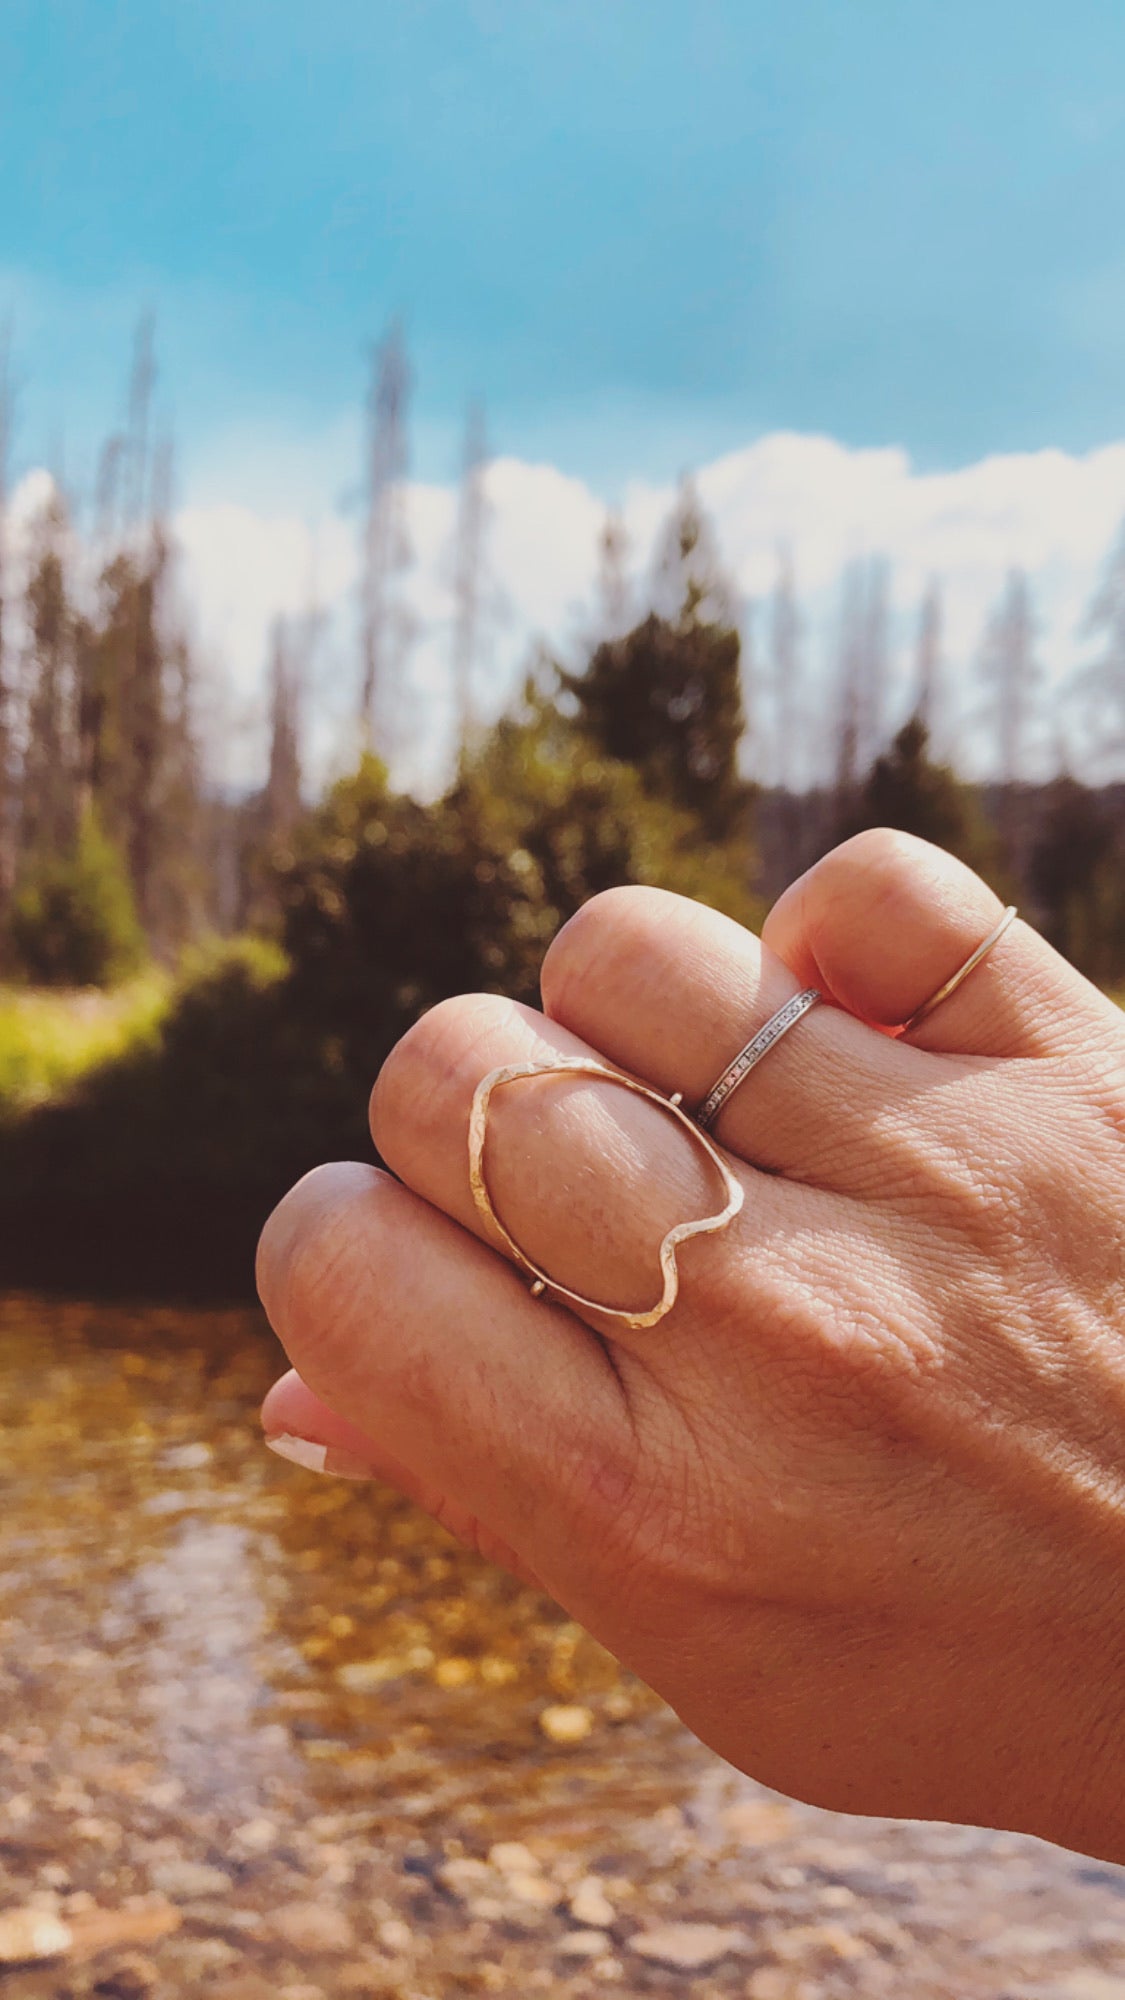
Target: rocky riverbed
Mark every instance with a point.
(266, 1737)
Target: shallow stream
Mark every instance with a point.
(268, 1735)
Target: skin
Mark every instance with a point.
(856, 1507)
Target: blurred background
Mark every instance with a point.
(456, 456)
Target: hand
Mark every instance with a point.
(856, 1507)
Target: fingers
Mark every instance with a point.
(885, 919)
(672, 990)
(587, 1178)
(488, 1408)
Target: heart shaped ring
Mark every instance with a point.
(542, 1281)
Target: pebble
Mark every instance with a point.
(454, 1672)
(691, 1947)
(757, 1822)
(536, 1890)
(186, 1457)
(29, 1935)
(188, 1881)
(513, 1858)
(256, 1836)
(394, 1935)
(488, 1909)
(590, 1906)
(465, 1877)
(566, 1722)
(583, 1944)
(313, 1927)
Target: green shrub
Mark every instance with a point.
(73, 921)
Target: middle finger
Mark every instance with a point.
(588, 1178)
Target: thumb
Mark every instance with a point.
(299, 1427)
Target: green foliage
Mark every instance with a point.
(577, 821)
(905, 789)
(667, 700)
(1075, 875)
(390, 905)
(50, 1041)
(73, 920)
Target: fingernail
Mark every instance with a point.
(319, 1457)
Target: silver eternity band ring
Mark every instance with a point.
(748, 1058)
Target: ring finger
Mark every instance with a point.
(883, 921)
(673, 990)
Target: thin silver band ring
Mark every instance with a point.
(747, 1059)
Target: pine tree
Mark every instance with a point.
(1074, 874)
(469, 577)
(386, 625)
(785, 672)
(906, 789)
(667, 697)
(929, 691)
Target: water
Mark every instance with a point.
(254, 1724)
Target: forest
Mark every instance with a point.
(259, 949)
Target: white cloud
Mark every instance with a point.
(1051, 512)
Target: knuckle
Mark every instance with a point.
(978, 1200)
(307, 1266)
(428, 1064)
(882, 849)
(613, 928)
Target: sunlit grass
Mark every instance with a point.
(49, 1040)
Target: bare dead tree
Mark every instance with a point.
(1101, 684)
(785, 675)
(1010, 670)
(690, 583)
(385, 625)
(142, 382)
(469, 573)
(7, 690)
(875, 660)
(862, 669)
(614, 599)
(282, 801)
(849, 682)
(107, 494)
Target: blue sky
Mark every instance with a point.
(645, 232)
